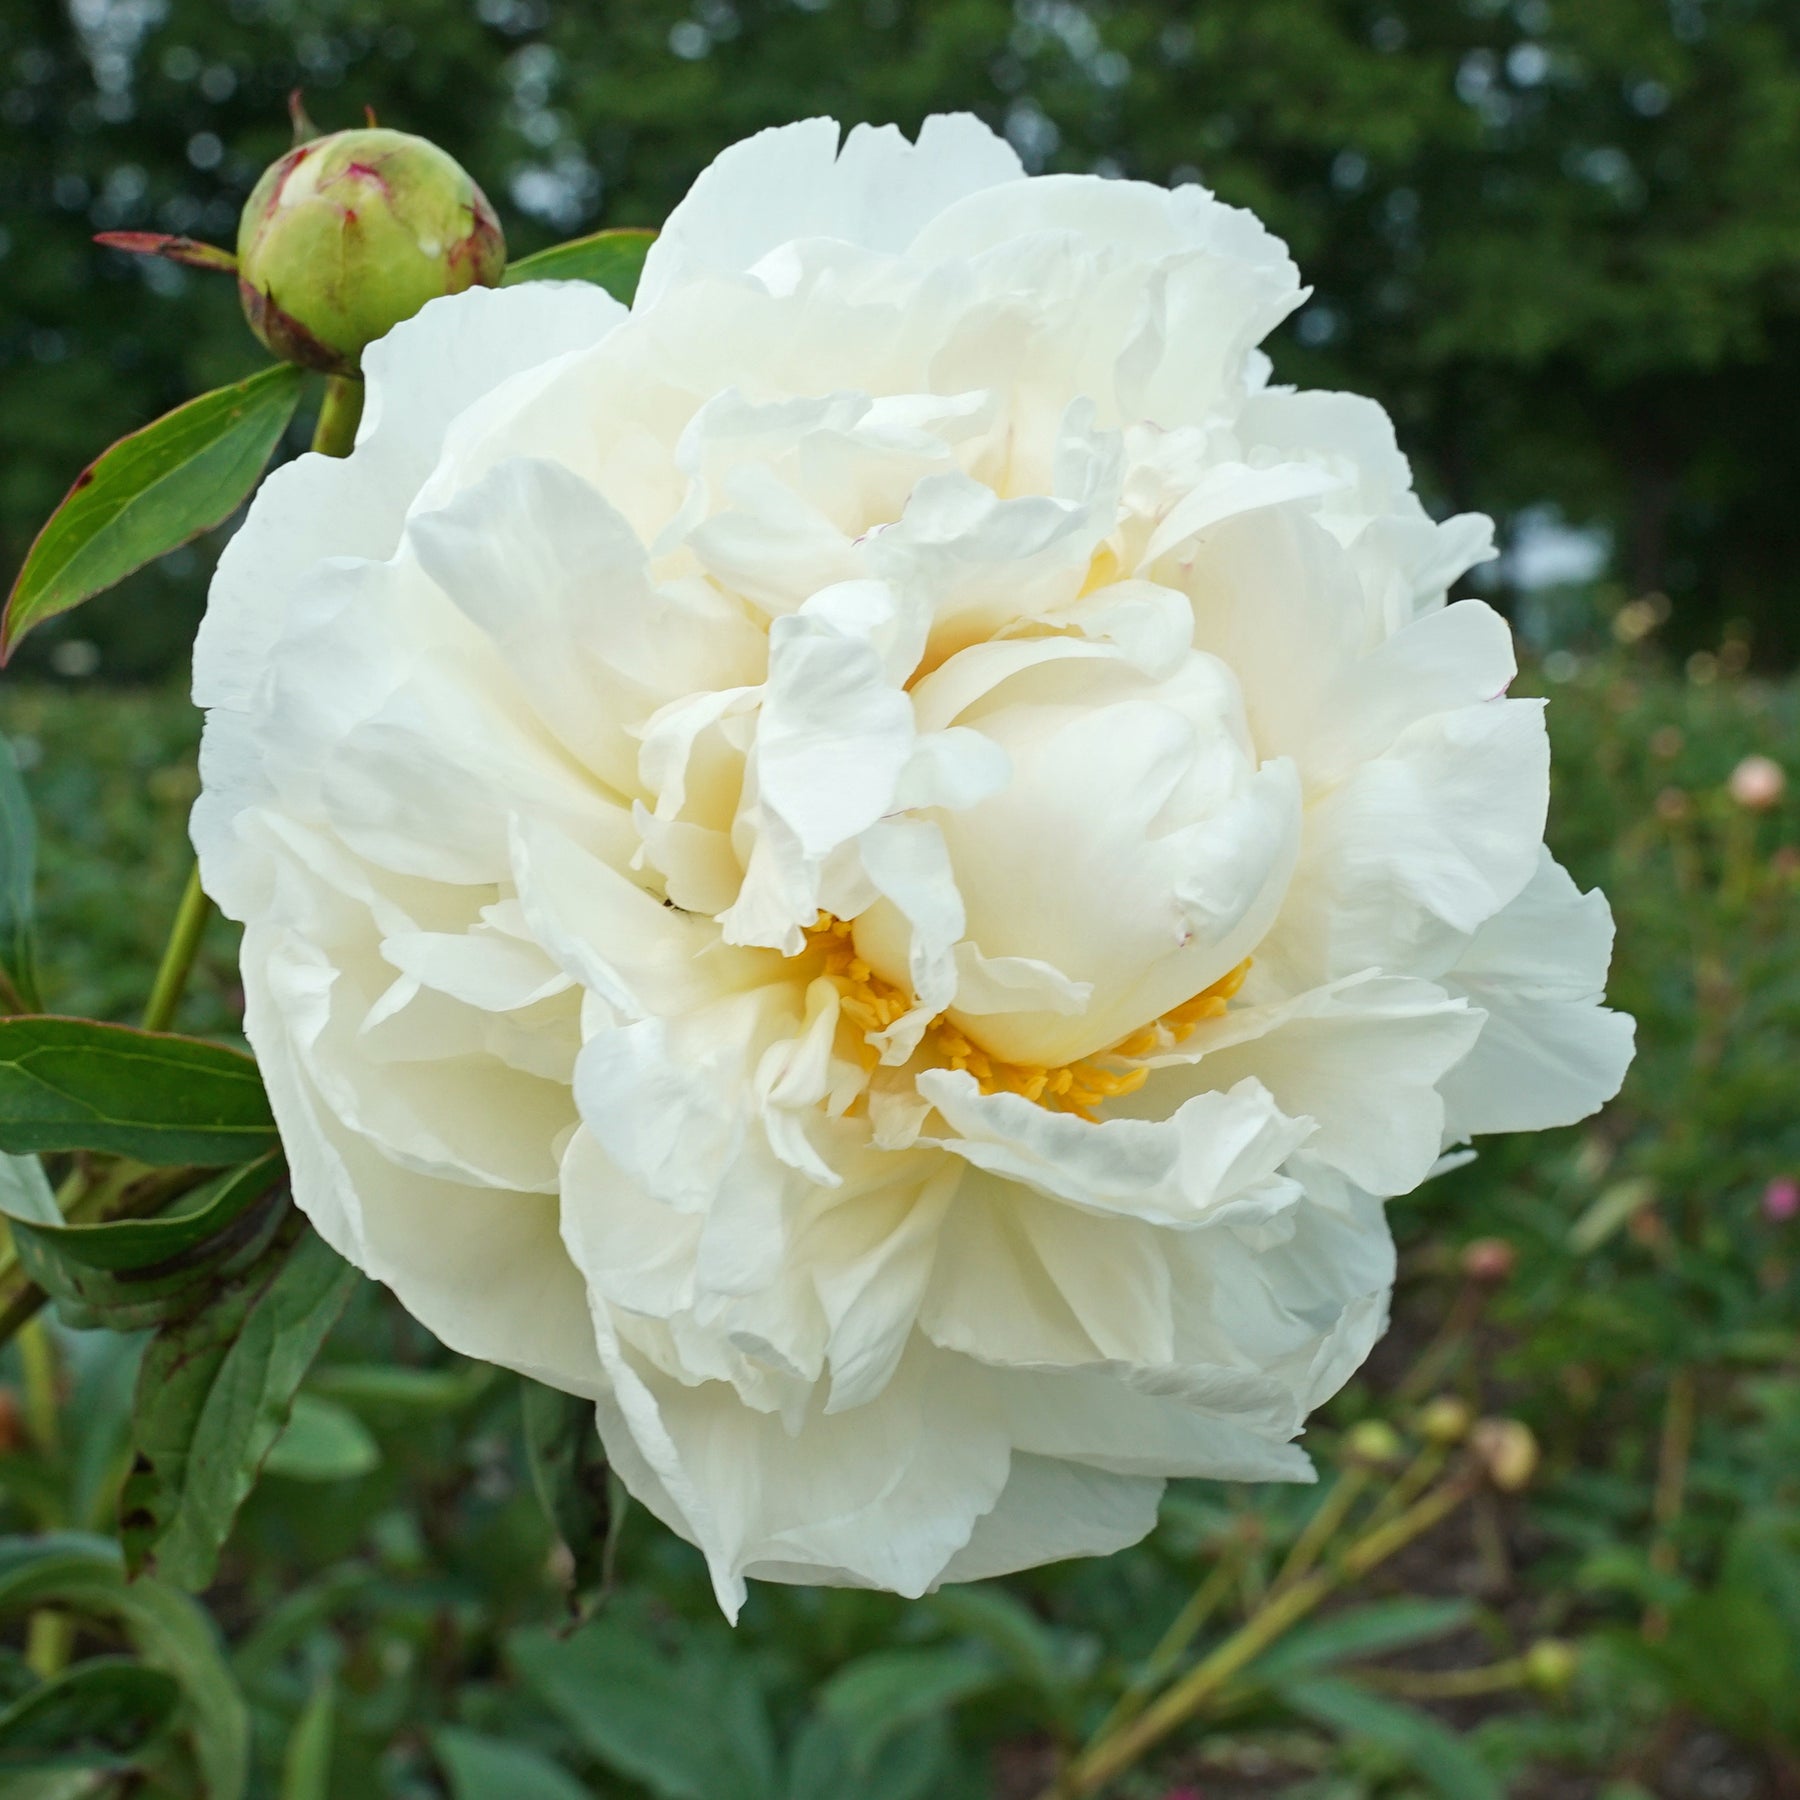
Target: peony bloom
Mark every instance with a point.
(879, 862)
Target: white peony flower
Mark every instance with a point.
(879, 862)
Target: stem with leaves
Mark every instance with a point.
(335, 435)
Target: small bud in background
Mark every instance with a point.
(1550, 1665)
(1489, 1260)
(1757, 783)
(1374, 1444)
(1781, 1199)
(347, 235)
(1508, 1452)
(1445, 1420)
(1673, 804)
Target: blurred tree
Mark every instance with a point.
(1561, 242)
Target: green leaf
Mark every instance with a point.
(214, 1394)
(388, 1388)
(306, 1765)
(76, 1084)
(912, 1764)
(128, 1274)
(696, 1730)
(574, 1486)
(323, 1442)
(610, 259)
(1366, 1631)
(151, 492)
(25, 1191)
(1415, 1739)
(880, 1725)
(878, 1694)
(167, 1629)
(18, 877)
(1728, 1657)
(484, 1768)
(96, 1714)
(1053, 1662)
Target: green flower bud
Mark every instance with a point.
(1373, 1443)
(1551, 1664)
(1445, 1420)
(347, 235)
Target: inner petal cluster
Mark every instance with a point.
(868, 1005)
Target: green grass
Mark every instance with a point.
(1646, 1334)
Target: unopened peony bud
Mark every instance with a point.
(1489, 1260)
(1445, 1420)
(1781, 1200)
(1508, 1452)
(345, 236)
(1550, 1665)
(1758, 783)
(1373, 1443)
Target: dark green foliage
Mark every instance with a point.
(214, 1393)
(1559, 242)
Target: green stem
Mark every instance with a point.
(1183, 1628)
(1116, 1753)
(1447, 1684)
(339, 415)
(1322, 1527)
(178, 954)
(49, 1634)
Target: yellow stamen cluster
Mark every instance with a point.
(871, 1005)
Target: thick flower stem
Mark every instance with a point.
(339, 415)
(178, 954)
(1322, 1527)
(1115, 1753)
(1183, 1628)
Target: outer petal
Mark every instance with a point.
(1550, 1053)
(794, 182)
(418, 378)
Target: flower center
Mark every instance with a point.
(870, 1004)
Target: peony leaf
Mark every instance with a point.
(306, 1764)
(1372, 1630)
(78, 1084)
(127, 1274)
(610, 259)
(481, 1767)
(1429, 1749)
(93, 1715)
(18, 877)
(152, 491)
(323, 1442)
(186, 250)
(171, 1633)
(584, 1504)
(214, 1394)
(693, 1730)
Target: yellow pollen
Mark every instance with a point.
(871, 1005)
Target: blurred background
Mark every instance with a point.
(1560, 239)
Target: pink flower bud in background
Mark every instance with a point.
(1758, 782)
(1489, 1260)
(1781, 1199)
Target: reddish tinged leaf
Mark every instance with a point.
(190, 251)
